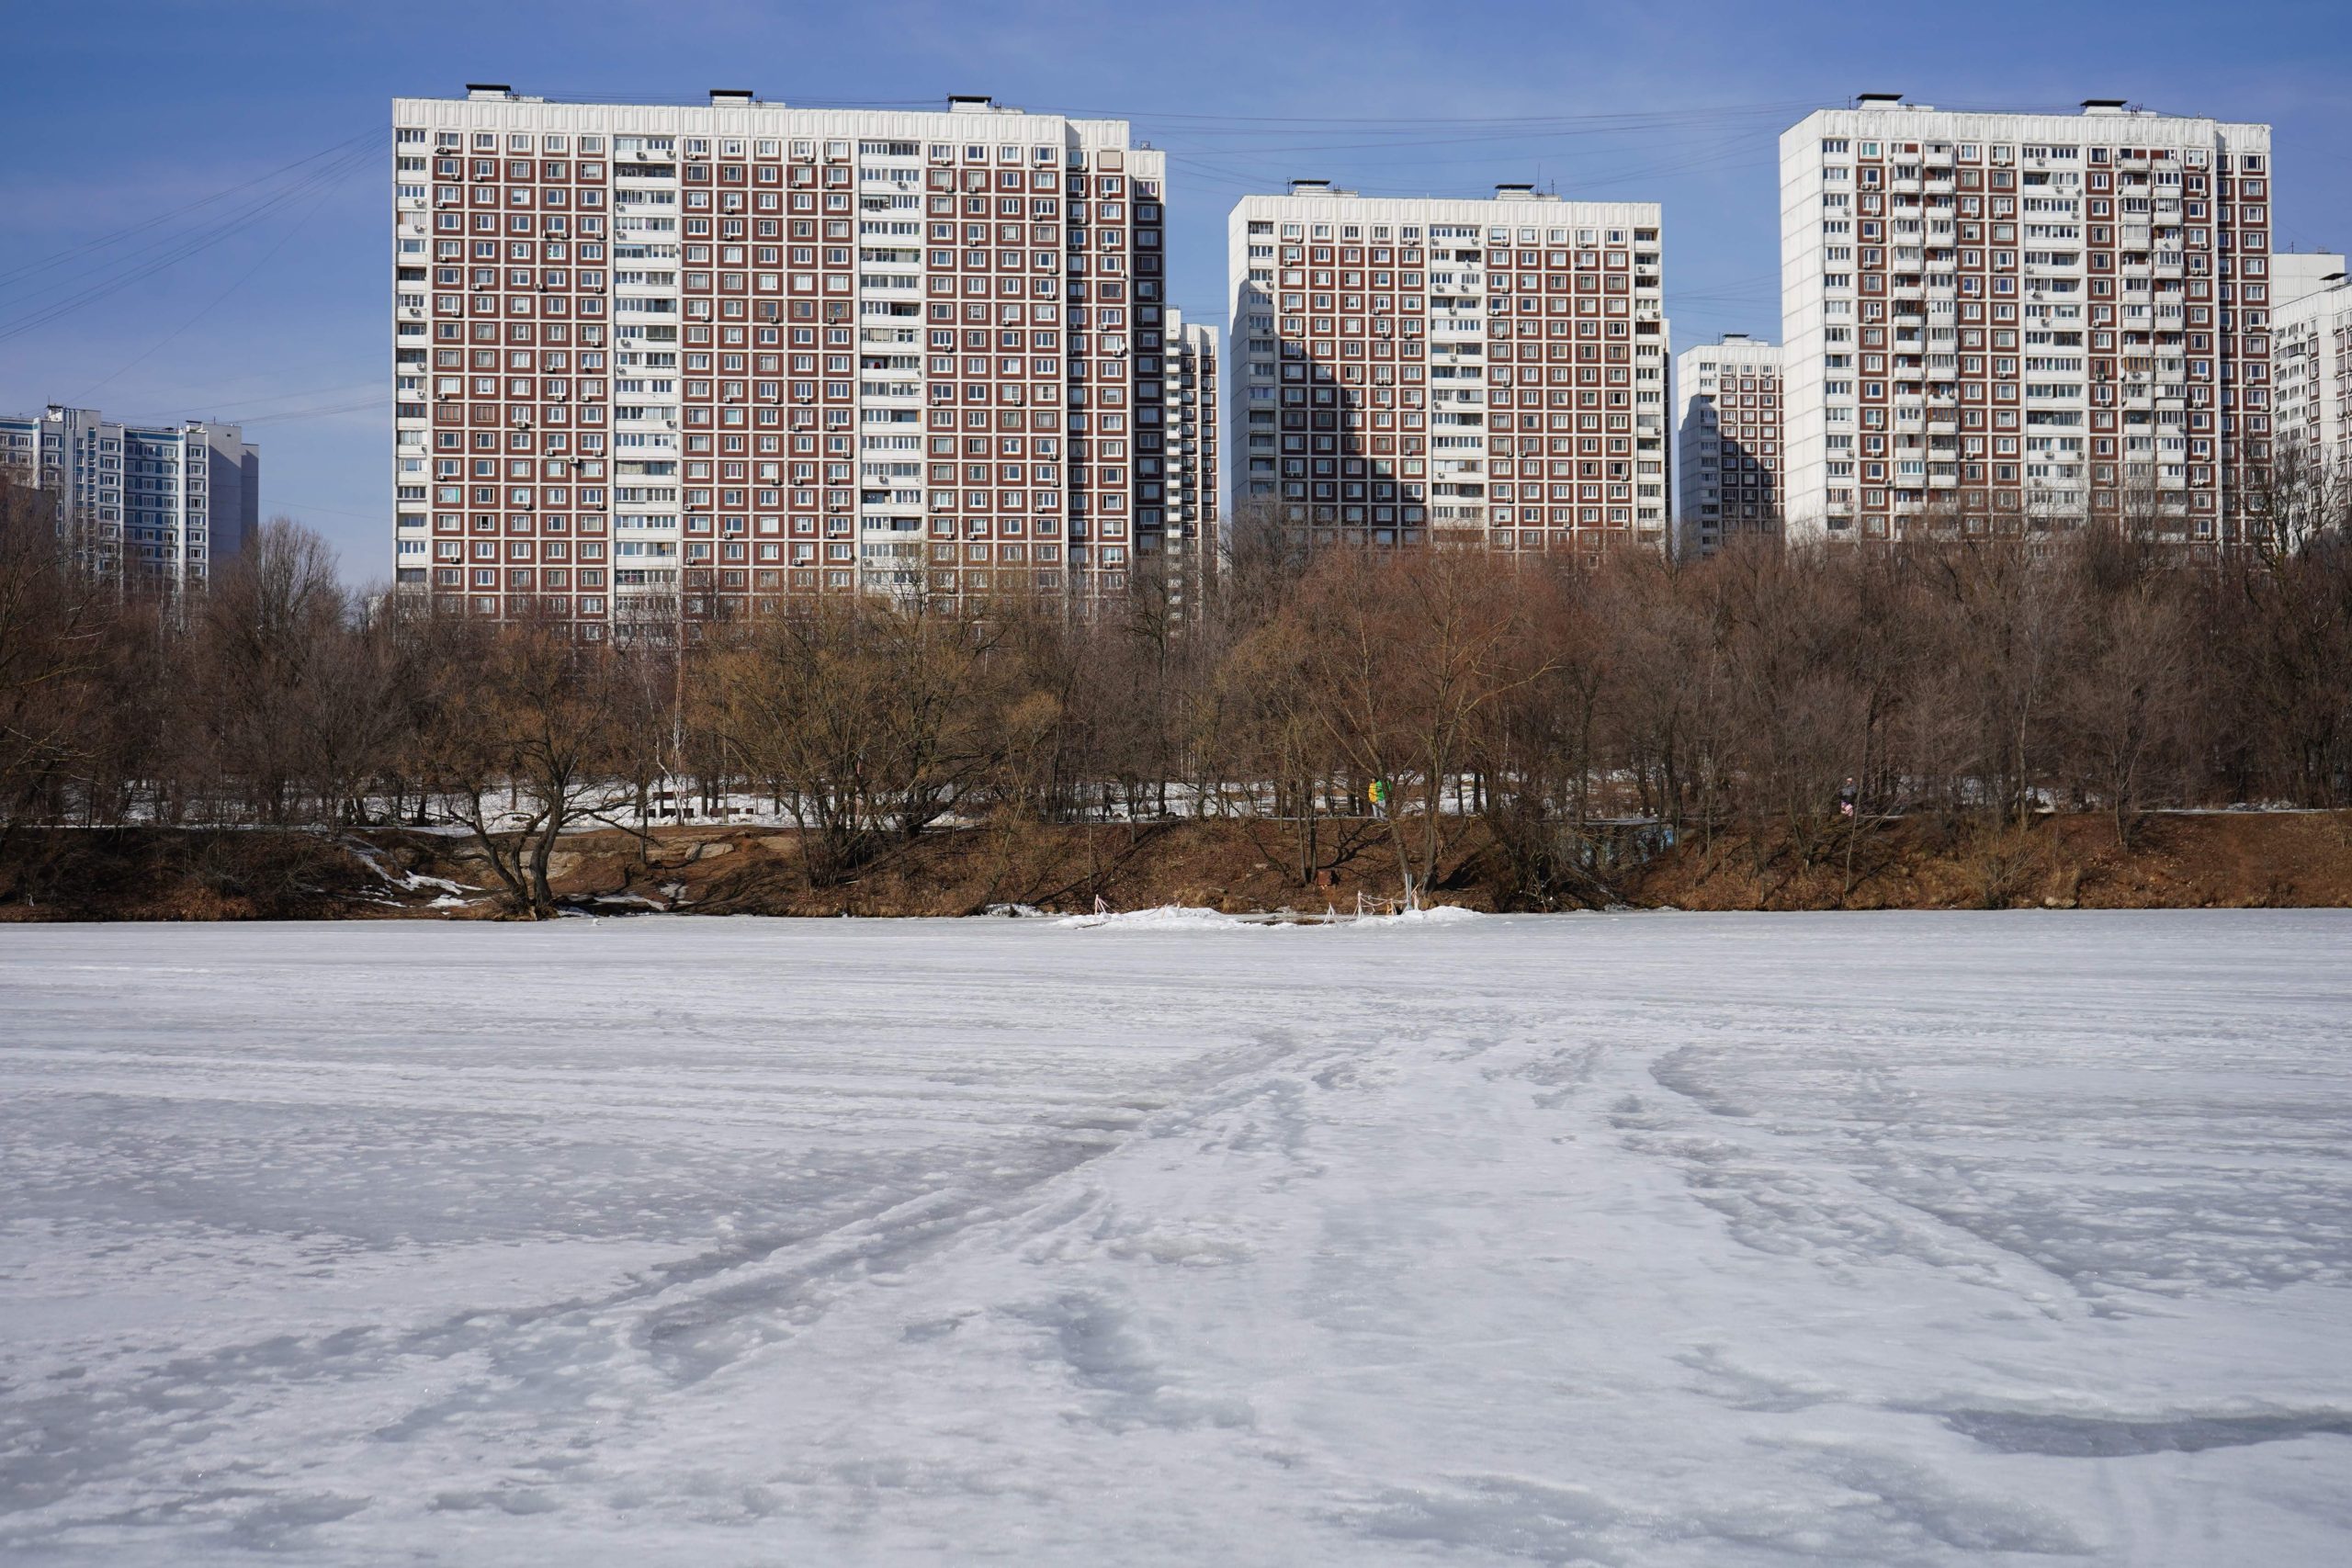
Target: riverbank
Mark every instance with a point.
(2219, 860)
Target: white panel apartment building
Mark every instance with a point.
(1415, 369)
(685, 361)
(1178, 511)
(1727, 451)
(1994, 320)
(2311, 363)
(154, 507)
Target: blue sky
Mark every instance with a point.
(119, 115)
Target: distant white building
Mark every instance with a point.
(1176, 510)
(1727, 448)
(159, 505)
(1493, 371)
(1997, 321)
(2298, 275)
(2312, 369)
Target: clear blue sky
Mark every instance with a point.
(118, 114)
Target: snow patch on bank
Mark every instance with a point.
(410, 881)
(1434, 915)
(1167, 916)
(1185, 917)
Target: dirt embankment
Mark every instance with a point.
(2217, 860)
(2227, 859)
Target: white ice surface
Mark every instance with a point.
(1644, 1240)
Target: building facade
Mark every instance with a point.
(1727, 447)
(659, 365)
(1177, 508)
(1416, 370)
(2311, 365)
(1997, 321)
(160, 507)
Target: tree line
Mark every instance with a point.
(1788, 700)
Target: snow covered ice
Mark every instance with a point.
(1624, 1240)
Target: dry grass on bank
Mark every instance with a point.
(2189, 861)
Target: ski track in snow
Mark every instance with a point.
(1620, 1240)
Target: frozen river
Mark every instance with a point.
(1685, 1240)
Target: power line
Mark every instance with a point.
(1633, 120)
(1599, 141)
(157, 257)
(241, 280)
(1623, 120)
(333, 511)
(295, 415)
(262, 403)
(88, 246)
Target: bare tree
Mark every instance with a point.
(2126, 697)
(519, 744)
(275, 672)
(1405, 652)
(55, 634)
(869, 722)
(1539, 750)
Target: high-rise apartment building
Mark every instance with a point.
(1408, 370)
(154, 506)
(661, 364)
(2311, 366)
(2001, 320)
(1727, 448)
(1177, 506)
